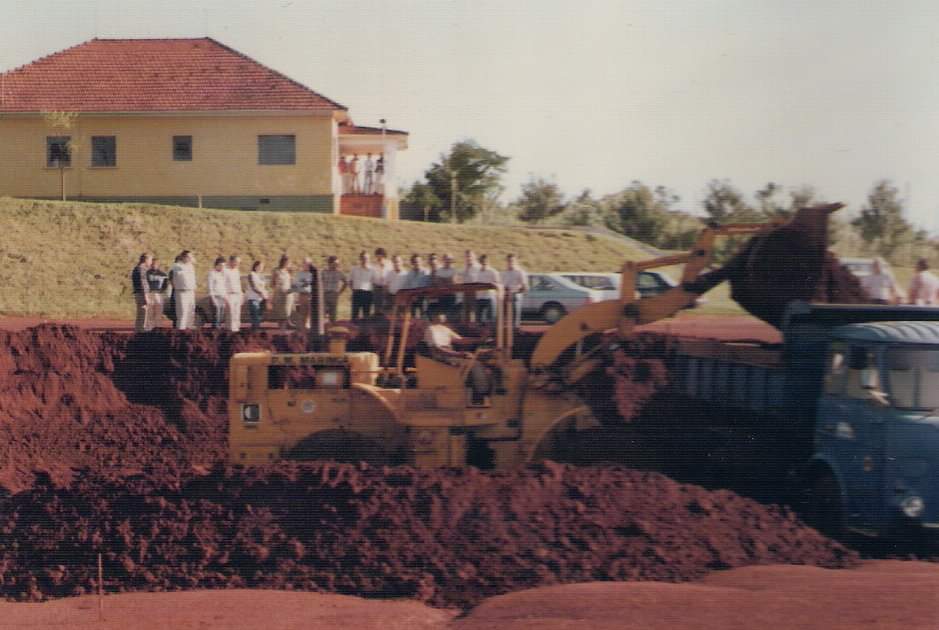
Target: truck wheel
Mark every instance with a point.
(823, 509)
(552, 312)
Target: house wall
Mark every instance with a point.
(224, 169)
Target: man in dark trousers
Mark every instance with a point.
(138, 280)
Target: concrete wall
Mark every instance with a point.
(224, 168)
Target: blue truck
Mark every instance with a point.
(849, 404)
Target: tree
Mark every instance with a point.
(584, 210)
(774, 202)
(640, 212)
(421, 198)
(61, 153)
(725, 204)
(465, 179)
(881, 222)
(540, 200)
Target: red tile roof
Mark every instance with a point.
(345, 128)
(153, 75)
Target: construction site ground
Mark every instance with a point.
(879, 595)
(114, 445)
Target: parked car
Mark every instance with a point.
(553, 295)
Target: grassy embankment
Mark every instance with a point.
(69, 259)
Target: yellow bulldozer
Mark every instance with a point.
(417, 409)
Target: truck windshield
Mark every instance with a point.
(913, 375)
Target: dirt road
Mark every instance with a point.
(882, 595)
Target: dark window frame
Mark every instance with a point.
(58, 141)
(100, 155)
(271, 155)
(184, 143)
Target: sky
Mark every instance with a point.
(591, 94)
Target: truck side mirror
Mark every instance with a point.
(869, 378)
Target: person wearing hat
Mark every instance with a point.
(334, 283)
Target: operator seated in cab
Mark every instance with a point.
(439, 338)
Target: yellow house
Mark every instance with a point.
(186, 122)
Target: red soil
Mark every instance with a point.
(112, 444)
(885, 595)
(446, 537)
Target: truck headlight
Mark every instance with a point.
(912, 506)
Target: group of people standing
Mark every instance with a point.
(366, 178)
(372, 283)
(882, 288)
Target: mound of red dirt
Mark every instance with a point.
(112, 443)
(447, 537)
(78, 399)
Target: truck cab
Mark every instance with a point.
(877, 428)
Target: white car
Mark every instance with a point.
(553, 295)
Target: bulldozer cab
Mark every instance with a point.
(455, 382)
(462, 304)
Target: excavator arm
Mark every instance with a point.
(807, 242)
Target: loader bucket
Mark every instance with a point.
(792, 262)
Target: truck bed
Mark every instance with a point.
(746, 376)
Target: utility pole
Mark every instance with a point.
(453, 191)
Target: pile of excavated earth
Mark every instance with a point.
(114, 444)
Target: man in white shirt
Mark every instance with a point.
(515, 281)
(396, 278)
(234, 295)
(184, 290)
(361, 279)
(369, 185)
(466, 275)
(439, 338)
(879, 285)
(445, 275)
(303, 287)
(470, 268)
(486, 305)
(382, 269)
(924, 287)
(218, 291)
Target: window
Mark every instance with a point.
(863, 376)
(601, 283)
(103, 151)
(837, 373)
(647, 281)
(58, 151)
(542, 283)
(277, 150)
(182, 148)
(913, 375)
